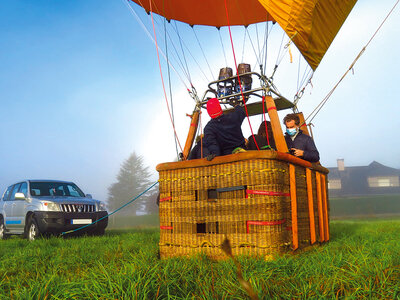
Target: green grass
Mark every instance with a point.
(361, 261)
(365, 206)
(124, 222)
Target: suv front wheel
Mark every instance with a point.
(32, 231)
(2, 230)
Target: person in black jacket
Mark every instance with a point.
(261, 138)
(223, 133)
(299, 144)
(199, 150)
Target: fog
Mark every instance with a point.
(80, 91)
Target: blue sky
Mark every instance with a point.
(80, 90)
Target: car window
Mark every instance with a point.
(54, 188)
(14, 191)
(7, 193)
(35, 192)
(58, 191)
(23, 188)
(72, 191)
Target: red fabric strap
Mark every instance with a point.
(263, 223)
(268, 193)
(166, 227)
(166, 199)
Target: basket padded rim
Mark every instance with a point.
(251, 154)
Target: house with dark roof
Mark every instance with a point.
(373, 179)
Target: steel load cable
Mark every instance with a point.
(118, 209)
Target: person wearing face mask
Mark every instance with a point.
(299, 144)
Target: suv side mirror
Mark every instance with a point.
(89, 196)
(19, 196)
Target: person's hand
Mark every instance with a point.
(297, 152)
(210, 157)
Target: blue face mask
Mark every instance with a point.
(291, 131)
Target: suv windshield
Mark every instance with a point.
(55, 189)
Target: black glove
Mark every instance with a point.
(210, 157)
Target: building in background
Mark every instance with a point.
(374, 179)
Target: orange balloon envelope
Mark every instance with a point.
(310, 24)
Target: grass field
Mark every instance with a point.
(361, 261)
(376, 206)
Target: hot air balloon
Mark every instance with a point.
(265, 202)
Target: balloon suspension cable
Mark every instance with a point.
(178, 58)
(133, 12)
(191, 55)
(258, 40)
(302, 88)
(282, 54)
(298, 75)
(265, 44)
(222, 44)
(170, 87)
(323, 102)
(183, 52)
(244, 42)
(162, 79)
(240, 84)
(184, 66)
(258, 56)
(202, 51)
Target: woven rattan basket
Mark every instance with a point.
(264, 202)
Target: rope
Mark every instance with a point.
(110, 214)
(240, 84)
(323, 102)
(162, 79)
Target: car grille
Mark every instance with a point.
(78, 207)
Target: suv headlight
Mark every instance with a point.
(102, 206)
(51, 206)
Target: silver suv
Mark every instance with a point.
(42, 207)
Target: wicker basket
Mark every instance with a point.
(264, 202)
